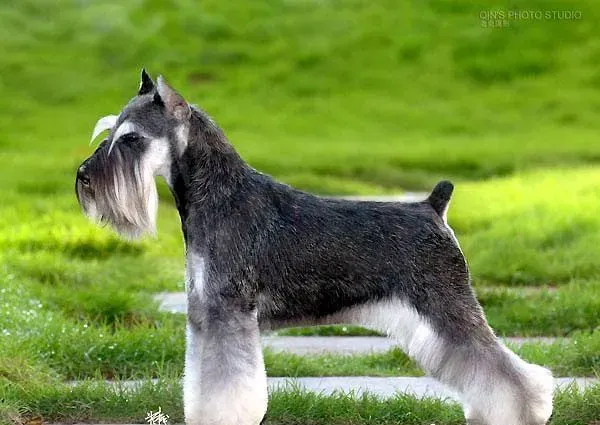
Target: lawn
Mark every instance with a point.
(399, 96)
(95, 403)
(336, 98)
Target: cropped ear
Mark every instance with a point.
(174, 103)
(146, 83)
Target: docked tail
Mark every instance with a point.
(440, 197)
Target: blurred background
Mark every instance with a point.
(335, 97)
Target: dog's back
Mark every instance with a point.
(335, 253)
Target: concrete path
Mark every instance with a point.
(171, 302)
(352, 344)
(381, 387)
(388, 387)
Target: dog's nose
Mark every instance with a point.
(83, 176)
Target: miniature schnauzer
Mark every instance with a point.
(263, 255)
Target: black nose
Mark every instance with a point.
(83, 176)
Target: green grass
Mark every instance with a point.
(532, 228)
(391, 363)
(579, 357)
(544, 310)
(337, 98)
(94, 402)
(41, 336)
(364, 95)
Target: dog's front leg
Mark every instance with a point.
(225, 381)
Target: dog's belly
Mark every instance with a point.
(315, 305)
(267, 322)
(350, 314)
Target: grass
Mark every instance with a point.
(391, 363)
(579, 357)
(544, 311)
(533, 228)
(95, 402)
(285, 79)
(352, 98)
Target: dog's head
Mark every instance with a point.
(116, 184)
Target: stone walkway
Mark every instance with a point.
(388, 387)
(352, 344)
(171, 302)
(381, 387)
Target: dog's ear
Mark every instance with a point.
(146, 83)
(174, 103)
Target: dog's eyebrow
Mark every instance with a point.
(125, 128)
(103, 124)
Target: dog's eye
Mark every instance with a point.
(129, 137)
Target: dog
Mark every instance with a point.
(262, 255)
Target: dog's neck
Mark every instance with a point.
(206, 175)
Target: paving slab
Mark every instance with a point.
(346, 345)
(381, 387)
(171, 302)
(388, 387)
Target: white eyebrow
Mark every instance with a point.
(103, 124)
(125, 128)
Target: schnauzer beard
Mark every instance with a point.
(123, 191)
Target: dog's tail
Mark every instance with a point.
(440, 196)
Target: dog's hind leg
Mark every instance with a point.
(496, 386)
